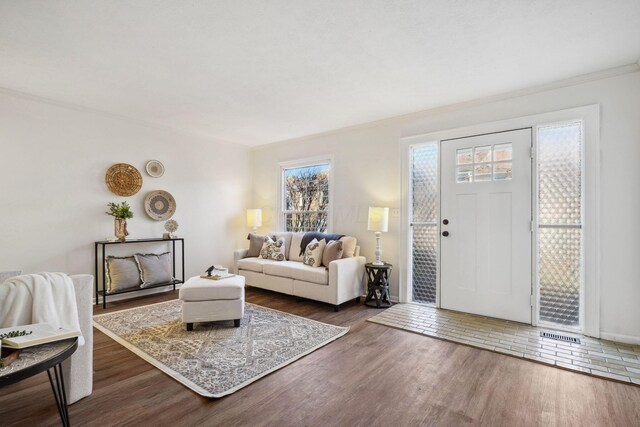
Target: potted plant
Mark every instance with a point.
(120, 212)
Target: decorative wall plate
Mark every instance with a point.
(154, 168)
(123, 179)
(160, 205)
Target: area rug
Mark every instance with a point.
(216, 359)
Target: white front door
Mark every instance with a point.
(486, 225)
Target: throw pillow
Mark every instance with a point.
(332, 252)
(273, 249)
(349, 246)
(121, 273)
(255, 244)
(154, 268)
(313, 253)
(287, 241)
(294, 250)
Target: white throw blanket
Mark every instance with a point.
(39, 298)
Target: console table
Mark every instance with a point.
(100, 257)
(40, 358)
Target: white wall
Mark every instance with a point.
(53, 195)
(367, 172)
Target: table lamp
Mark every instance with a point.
(254, 218)
(378, 222)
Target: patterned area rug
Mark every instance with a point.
(216, 359)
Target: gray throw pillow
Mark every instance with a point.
(255, 244)
(332, 252)
(154, 269)
(121, 273)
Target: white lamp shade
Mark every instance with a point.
(254, 217)
(378, 219)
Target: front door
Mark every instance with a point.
(486, 225)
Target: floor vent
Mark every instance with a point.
(559, 337)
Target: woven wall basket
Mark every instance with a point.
(159, 205)
(123, 179)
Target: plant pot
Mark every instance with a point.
(120, 229)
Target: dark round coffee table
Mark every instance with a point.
(37, 359)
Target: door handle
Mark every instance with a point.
(445, 221)
(445, 233)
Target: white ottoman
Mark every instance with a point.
(205, 300)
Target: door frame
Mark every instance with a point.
(590, 115)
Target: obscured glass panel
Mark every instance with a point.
(560, 223)
(425, 262)
(560, 169)
(424, 183)
(559, 263)
(424, 221)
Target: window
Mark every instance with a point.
(487, 163)
(560, 212)
(425, 236)
(305, 197)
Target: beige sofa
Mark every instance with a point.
(340, 282)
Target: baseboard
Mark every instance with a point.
(140, 293)
(627, 339)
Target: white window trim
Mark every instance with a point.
(308, 161)
(590, 115)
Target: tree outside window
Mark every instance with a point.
(306, 197)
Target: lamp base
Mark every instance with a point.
(377, 263)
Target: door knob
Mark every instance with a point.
(445, 221)
(445, 233)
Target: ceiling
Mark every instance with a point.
(257, 71)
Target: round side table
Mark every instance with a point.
(378, 285)
(40, 358)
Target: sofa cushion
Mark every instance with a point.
(286, 235)
(294, 249)
(273, 249)
(299, 271)
(349, 244)
(254, 264)
(255, 244)
(332, 252)
(313, 253)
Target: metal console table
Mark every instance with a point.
(103, 244)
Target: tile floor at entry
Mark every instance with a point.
(606, 359)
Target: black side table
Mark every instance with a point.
(378, 285)
(37, 359)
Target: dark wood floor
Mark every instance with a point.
(374, 375)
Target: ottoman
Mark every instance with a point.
(205, 300)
